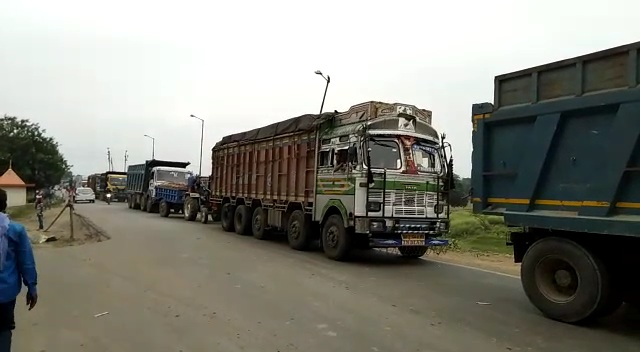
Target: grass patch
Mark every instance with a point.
(21, 211)
(478, 233)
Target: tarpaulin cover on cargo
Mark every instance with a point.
(296, 124)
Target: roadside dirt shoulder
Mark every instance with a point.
(493, 262)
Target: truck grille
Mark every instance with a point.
(406, 203)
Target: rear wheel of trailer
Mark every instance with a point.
(226, 217)
(258, 224)
(299, 233)
(242, 220)
(567, 282)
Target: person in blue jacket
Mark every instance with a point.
(17, 266)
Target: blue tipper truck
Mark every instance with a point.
(557, 155)
(158, 186)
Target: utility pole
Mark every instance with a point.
(201, 142)
(153, 146)
(109, 164)
(328, 80)
(126, 157)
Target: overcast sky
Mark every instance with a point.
(103, 74)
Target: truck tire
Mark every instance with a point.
(565, 281)
(130, 203)
(258, 224)
(226, 217)
(165, 209)
(299, 231)
(412, 252)
(149, 206)
(190, 209)
(135, 202)
(336, 242)
(143, 203)
(242, 220)
(204, 215)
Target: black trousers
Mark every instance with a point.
(7, 324)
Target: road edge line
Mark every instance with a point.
(473, 268)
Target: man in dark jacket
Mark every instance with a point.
(17, 266)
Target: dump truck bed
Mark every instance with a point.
(138, 174)
(558, 148)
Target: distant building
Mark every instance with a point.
(14, 186)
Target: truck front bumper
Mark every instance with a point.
(403, 232)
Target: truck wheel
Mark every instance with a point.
(335, 240)
(226, 217)
(413, 252)
(149, 205)
(135, 202)
(565, 281)
(242, 220)
(299, 231)
(190, 209)
(204, 215)
(164, 209)
(130, 203)
(258, 224)
(143, 203)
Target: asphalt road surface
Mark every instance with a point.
(169, 285)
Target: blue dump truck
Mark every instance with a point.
(158, 186)
(557, 155)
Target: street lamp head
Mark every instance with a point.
(192, 115)
(318, 72)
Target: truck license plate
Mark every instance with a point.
(413, 240)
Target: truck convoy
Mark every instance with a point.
(375, 176)
(158, 186)
(113, 182)
(557, 155)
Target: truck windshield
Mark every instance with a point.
(427, 158)
(172, 176)
(385, 154)
(118, 181)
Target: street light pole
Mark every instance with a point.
(153, 146)
(201, 142)
(328, 79)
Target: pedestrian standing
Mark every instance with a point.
(17, 266)
(40, 213)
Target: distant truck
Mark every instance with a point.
(109, 181)
(158, 186)
(558, 154)
(375, 176)
(113, 182)
(95, 182)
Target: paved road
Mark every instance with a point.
(169, 285)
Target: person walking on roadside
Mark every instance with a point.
(40, 213)
(17, 266)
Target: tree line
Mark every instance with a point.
(33, 155)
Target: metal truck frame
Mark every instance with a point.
(557, 154)
(309, 176)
